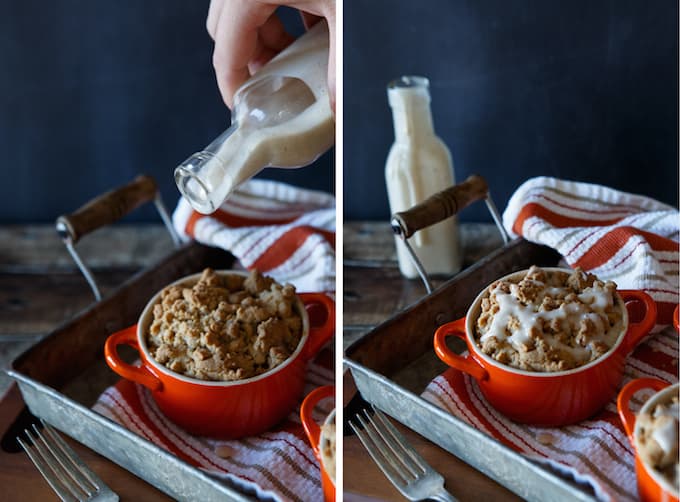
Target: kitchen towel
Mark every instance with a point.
(278, 464)
(286, 233)
(283, 231)
(629, 239)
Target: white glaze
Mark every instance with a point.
(591, 305)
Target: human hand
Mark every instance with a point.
(248, 33)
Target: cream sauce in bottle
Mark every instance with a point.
(419, 165)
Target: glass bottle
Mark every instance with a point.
(281, 118)
(419, 165)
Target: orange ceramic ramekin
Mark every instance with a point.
(315, 433)
(652, 486)
(224, 409)
(550, 399)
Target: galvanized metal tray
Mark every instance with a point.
(393, 363)
(62, 376)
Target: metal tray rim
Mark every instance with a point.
(167, 458)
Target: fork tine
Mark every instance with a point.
(47, 472)
(387, 457)
(86, 479)
(70, 478)
(398, 441)
(384, 463)
(77, 481)
(397, 459)
(59, 470)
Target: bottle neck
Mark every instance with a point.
(412, 122)
(411, 113)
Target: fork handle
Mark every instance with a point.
(443, 496)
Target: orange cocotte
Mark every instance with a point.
(551, 398)
(315, 433)
(652, 486)
(230, 409)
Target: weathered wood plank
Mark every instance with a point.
(371, 294)
(38, 303)
(373, 242)
(38, 249)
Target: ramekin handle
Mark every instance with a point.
(637, 331)
(319, 335)
(623, 401)
(466, 364)
(311, 427)
(139, 374)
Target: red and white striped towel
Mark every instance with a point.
(283, 231)
(629, 239)
(626, 238)
(278, 464)
(289, 234)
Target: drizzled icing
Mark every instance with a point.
(657, 436)
(666, 434)
(573, 317)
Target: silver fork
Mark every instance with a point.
(61, 467)
(403, 466)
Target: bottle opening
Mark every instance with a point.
(408, 91)
(409, 82)
(191, 186)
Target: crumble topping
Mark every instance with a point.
(327, 447)
(549, 320)
(658, 439)
(225, 327)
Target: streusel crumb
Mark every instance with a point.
(658, 439)
(225, 327)
(327, 448)
(549, 320)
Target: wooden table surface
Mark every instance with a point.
(40, 288)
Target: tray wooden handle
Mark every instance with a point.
(441, 205)
(107, 208)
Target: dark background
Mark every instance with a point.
(94, 92)
(582, 90)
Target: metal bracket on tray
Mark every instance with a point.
(108, 208)
(438, 207)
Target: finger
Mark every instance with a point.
(228, 79)
(309, 19)
(273, 35)
(236, 42)
(262, 57)
(214, 11)
(272, 39)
